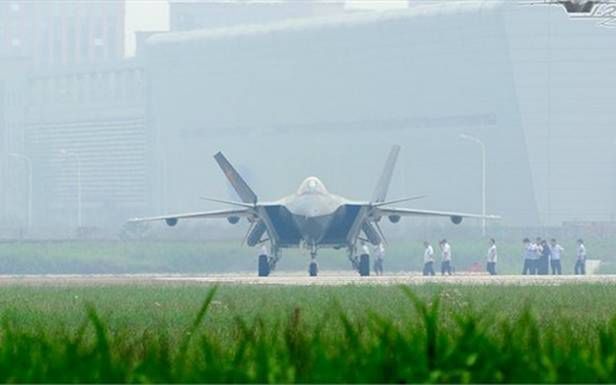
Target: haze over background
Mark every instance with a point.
(153, 15)
(145, 15)
(90, 138)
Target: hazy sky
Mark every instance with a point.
(153, 15)
(145, 15)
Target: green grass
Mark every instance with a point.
(365, 334)
(157, 256)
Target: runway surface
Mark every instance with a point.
(301, 279)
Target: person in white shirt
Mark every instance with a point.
(580, 259)
(446, 257)
(263, 250)
(428, 259)
(379, 255)
(538, 246)
(365, 249)
(492, 257)
(556, 252)
(530, 252)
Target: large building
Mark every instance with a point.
(74, 142)
(86, 134)
(329, 96)
(14, 168)
(61, 32)
(564, 75)
(108, 138)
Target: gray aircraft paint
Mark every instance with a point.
(312, 217)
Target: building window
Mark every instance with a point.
(130, 85)
(140, 84)
(53, 91)
(70, 39)
(85, 89)
(113, 85)
(98, 41)
(84, 43)
(99, 87)
(121, 79)
(43, 43)
(78, 88)
(61, 89)
(57, 41)
(111, 38)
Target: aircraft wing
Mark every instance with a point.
(391, 211)
(173, 218)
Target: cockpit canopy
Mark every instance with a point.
(311, 185)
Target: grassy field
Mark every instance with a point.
(192, 333)
(154, 256)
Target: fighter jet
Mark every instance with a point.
(312, 218)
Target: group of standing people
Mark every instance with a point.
(540, 256)
(446, 262)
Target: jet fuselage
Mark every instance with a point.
(312, 216)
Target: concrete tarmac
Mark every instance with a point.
(302, 279)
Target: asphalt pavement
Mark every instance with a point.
(302, 279)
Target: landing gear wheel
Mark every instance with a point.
(364, 265)
(264, 267)
(313, 269)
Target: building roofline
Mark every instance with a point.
(317, 23)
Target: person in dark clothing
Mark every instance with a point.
(580, 259)
(492, 257)
(544, 259)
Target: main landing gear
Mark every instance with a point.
(360, 263)
(364, 265)
(263, 266)
(267, 263)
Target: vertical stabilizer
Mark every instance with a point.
(380, 192)
(239, 184)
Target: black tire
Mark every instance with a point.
(264, 268)
(313, 269)
(364, 265)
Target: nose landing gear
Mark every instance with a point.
(313, 267)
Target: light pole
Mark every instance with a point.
(29, 166)
(613, 214)
(483, 178)
(78, 160)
